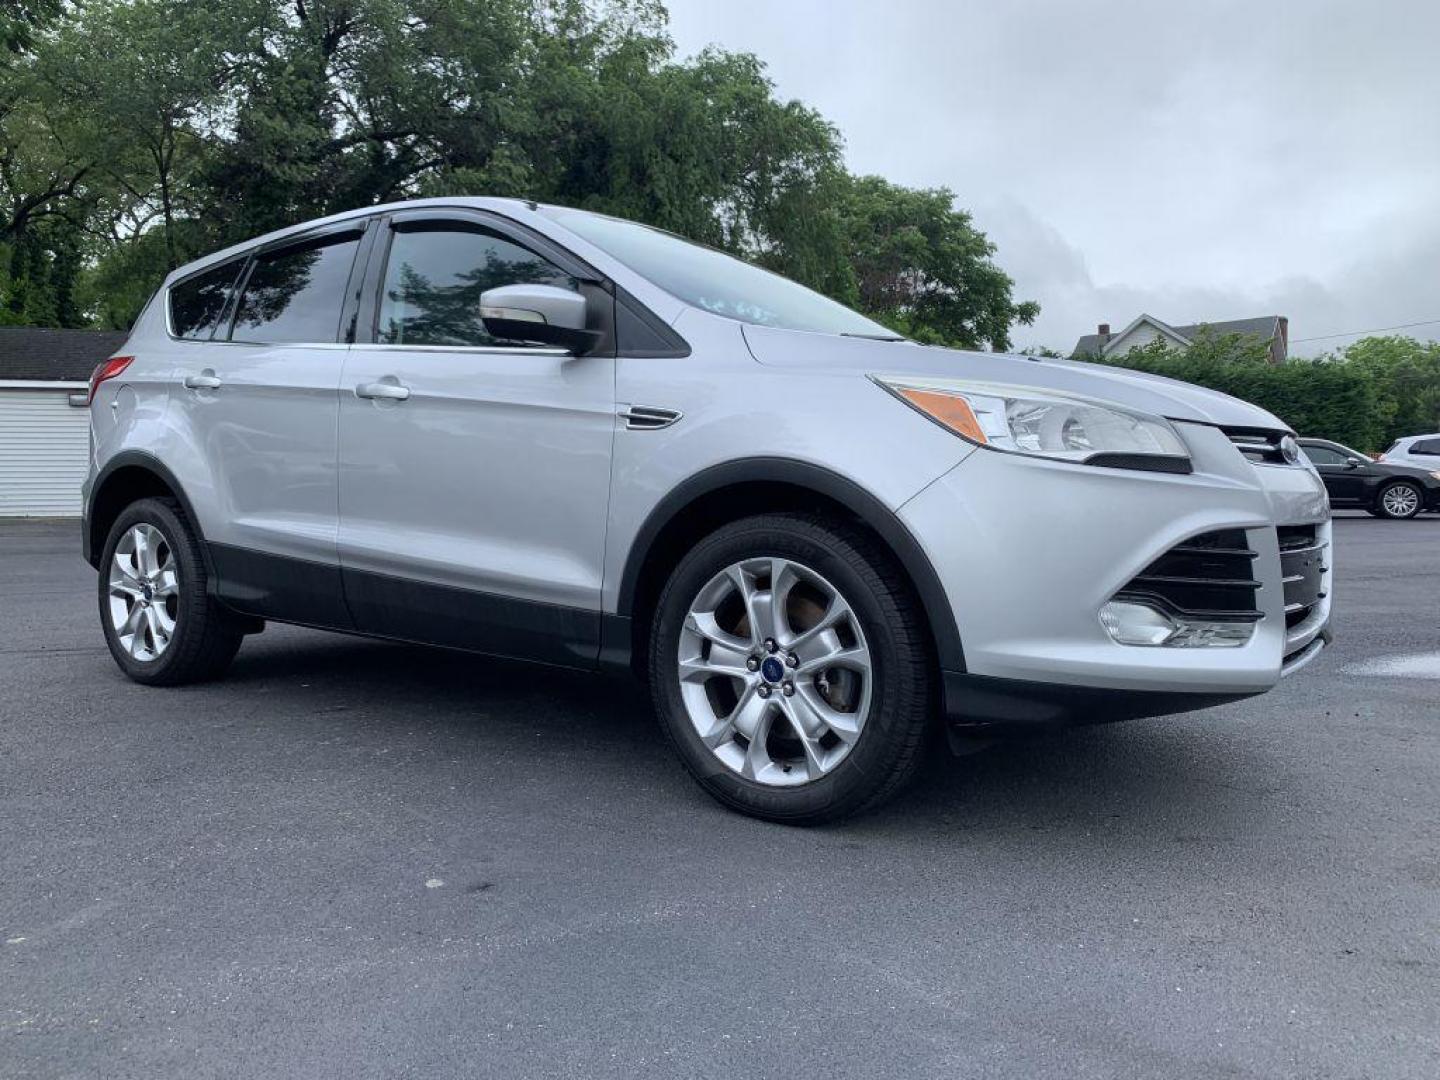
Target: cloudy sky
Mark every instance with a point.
(1198, 161)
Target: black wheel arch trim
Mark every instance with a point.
(860, 502)
(92, 546)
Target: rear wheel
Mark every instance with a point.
(162, 626)
(1398, 501)
(790, 668)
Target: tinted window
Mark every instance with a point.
(1426, 446)
(1323, 455)
(197, 303)
(434, 279)
(296, 294)
(715, 281)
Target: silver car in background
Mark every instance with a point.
(560, 437)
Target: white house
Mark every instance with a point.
(1274, 329)
(44, 424)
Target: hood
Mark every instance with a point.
(1154, 394)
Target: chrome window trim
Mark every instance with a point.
(273, 344)
(501, 350)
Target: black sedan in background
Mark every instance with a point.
(1357, 483)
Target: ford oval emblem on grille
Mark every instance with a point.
(1290, 449)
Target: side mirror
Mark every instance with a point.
(1353, 463)
(543, 314)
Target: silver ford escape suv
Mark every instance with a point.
(561, 437)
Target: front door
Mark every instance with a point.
(1344, 482)
(474, 473)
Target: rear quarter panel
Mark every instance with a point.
(131, 411)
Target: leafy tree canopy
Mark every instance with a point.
(161, 129)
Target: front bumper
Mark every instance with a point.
(1028, 550)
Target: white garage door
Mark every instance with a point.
(44, 451)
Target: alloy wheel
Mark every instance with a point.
(774, 671)
(144, 592)
(1400, 500)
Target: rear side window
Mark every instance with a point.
(434, 278)
(1426, 446)
(197, 303)
(295, 294)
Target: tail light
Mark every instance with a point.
(108, 370)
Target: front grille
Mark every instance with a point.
(1261, 445)
(1302, 568)
(1210, 576)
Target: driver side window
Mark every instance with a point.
(434, 278)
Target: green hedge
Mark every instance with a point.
(1328, 397)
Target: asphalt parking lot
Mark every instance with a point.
(356, 859)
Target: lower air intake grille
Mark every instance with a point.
(1302, 566)
(1211, 575)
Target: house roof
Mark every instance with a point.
(1265, 327)
(34, 353)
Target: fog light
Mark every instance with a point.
(1224, 635)
(1130, 623)
(1136, 624)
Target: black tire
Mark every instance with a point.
(205, 636)
(896, 733)
(1381, 510)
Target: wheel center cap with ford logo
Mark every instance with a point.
(772, 669)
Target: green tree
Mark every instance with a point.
(42, 183)
(148, 84)
(1406, 374)
(580, 104)
(159, 129)
(921, 266)
(345, 104)
(114, 289)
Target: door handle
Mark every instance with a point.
(385, 391)
(206, 380)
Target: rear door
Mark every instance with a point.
(260, 400)
(474, 473)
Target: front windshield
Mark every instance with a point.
(714, 281)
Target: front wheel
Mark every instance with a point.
(1398, 501)
(791, 669)
(161, 624)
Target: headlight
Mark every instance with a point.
(1023, 420)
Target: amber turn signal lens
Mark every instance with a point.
(949, 409)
